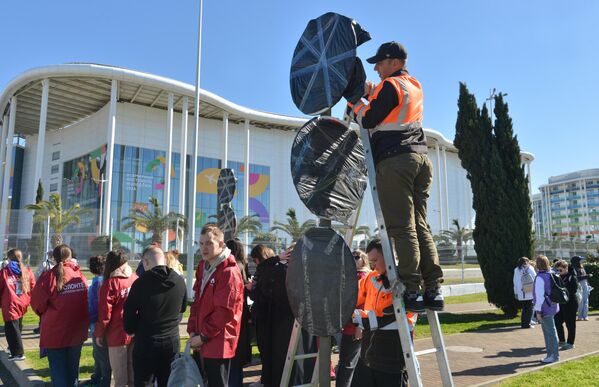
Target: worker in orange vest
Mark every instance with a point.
(393, 116)
(381, 357)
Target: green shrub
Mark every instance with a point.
(593, 269)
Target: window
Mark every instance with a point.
(54, 187)
(55, 155)
(54, 169)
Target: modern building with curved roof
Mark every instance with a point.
(108, 138)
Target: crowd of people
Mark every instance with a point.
(533, 289)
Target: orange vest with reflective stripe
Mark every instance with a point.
(375, 297)
(408, 112)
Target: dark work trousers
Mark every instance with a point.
(404, 182)
(367, 377)
(215, 371)
(348, 358)
(526, 313)
(567, 315)
(12, 330)
(152, 358)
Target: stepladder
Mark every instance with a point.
(410, 355)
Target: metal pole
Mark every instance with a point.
(7, 168)
(225, 139)
(3, 135)
(110, 155)
(446, 187)
(183, 163)
(41, 138)
(246, 178)
(194, 171)
(47, 242)
(110, 235)
(101, 202)
(167, 166)
(439, 188)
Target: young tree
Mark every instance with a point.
(60, 218)
(491, 156)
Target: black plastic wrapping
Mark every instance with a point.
(328, 168)
(225, 186)
(227, 221)
(322, 284)
(323, 62)
(355, 88)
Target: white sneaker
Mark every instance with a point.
(549, 359)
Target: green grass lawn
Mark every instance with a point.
(40, 366)
(467, 280)
(579, 373)
(465, 322)
(459, 266)
(30, 318)
(475, 297)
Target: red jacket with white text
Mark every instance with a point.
(216, 314)
(64, 314)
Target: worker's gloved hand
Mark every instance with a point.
(369, 89)
(349, 114)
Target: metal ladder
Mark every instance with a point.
(398, 288)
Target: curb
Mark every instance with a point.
(20, 372)
(503, 378)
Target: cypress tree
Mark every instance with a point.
(491, 156)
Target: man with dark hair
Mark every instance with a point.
(393, 116)
(151, 312)
(381, 360)
(215, 318)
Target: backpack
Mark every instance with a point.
(527, 281)
(184, 371)
(558, 294)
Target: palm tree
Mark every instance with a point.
(250, 224)
(459, 236)
(60, 218)
(293, 228)
(154, 221)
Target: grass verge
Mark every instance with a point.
(466, 322)
(459, 266)
(467, 280)
(466, 298)
(30, 318)
(577, 373)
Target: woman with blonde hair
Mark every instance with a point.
(172, 261)
(16, 283)
(545, 308)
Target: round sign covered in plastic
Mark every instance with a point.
(322, 283)
(328, 168)
(324, 62)
(225, 186)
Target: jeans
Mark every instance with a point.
(348, 358)
(64, 365)
(152, 358)
(404, 182)
(102, 370)
(583, 308)
(550, 335)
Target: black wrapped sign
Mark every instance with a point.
(227, 221)
(322, 284)
(324, 63)
(328, 168)
(225, 186)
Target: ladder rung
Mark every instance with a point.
(305, 356)
(425, 351)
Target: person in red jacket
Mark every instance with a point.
(16, 282)
(60, 299)
(215, 317)
(110, 330)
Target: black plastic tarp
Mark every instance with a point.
(324, 62)
(322, 285)
(225, 186)
(328, 168)
(227, 221)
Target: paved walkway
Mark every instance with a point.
(476, 358)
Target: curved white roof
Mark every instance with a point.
(78, 90)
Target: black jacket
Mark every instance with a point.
(154, 303)
(570, 282)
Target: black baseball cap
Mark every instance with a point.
(389, 50)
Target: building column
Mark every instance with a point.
(166, 204)
(225, 140)
(41, 139)
(246, 178)
(183, 163)
(111, 133)
(446, 187)
(7, 167)
(439, 188)
(3, 135)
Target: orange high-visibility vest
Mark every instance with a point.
(376, 299)
(408, 112)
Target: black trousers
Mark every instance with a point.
(348, 359)
(526, 313)
(367, 377)
(272, 335)
(568, 316)
(12, 330)
(152, 358)
(215, 371)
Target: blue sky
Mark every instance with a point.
(544, 54)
